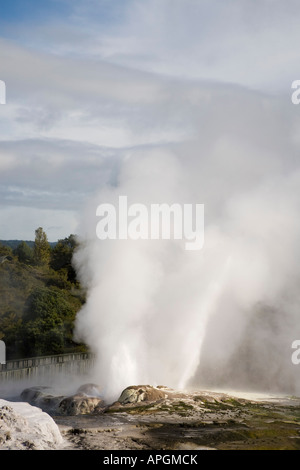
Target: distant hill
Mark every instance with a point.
(14, 243)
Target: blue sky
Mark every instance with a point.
(32, 10)
(90, 81)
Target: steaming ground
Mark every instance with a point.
(149, 418)
(224, 316)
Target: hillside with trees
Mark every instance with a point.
(39, 297)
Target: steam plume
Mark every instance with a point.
(226, 315)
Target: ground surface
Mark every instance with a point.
(191, 421)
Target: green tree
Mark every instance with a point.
(10, 332)
(5, 250)
(47, 322)
(24, 253)
(41, 248)
(61, 257)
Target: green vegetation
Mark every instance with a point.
(41, 250)
(39, 297)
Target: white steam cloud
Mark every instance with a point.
(224, 316)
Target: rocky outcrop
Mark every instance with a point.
(141, 393)
(31, 394)
(86, 400)
(37, 396)
(90, 390)
(80, 404)
(26, 427)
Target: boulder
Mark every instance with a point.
(141, 393)
(85, 401)
(31, 394)
(26, 427)
(80, 404)
(37, 396)
(90, 390)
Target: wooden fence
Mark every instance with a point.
(46, 366)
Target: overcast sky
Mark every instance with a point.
(90, 81)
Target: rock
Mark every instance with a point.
(141, 393)
(32, 394)
(24, 427)
(85, 401)
(80, 404)
(90, 390)
(36, 396)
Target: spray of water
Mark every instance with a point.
(225, 315)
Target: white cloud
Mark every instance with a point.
(132, 74)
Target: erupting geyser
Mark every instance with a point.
(225, 315)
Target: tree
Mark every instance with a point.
(24, 253)
(61, 257)
(5, 250)
(41, 248)
(47, 322)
